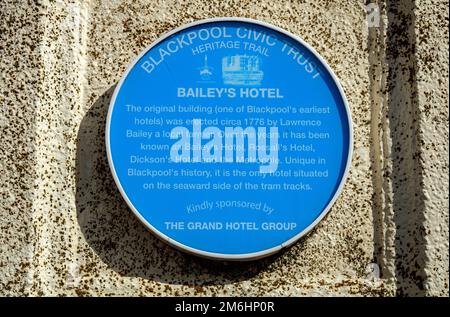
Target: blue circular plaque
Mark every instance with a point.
(229, 138)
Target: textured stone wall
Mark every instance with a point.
(64, 228)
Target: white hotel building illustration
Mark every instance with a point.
(242, 70)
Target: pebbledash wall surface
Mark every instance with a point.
(65, 229)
